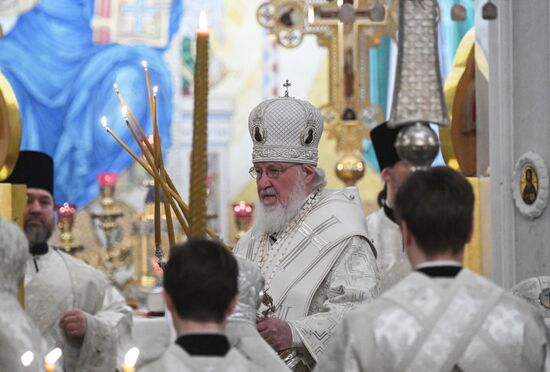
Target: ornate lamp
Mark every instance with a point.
(243, 213)
(418, 98)
(110, 213)
(65, 216)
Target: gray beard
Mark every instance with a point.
(271, 220)
(37, 234)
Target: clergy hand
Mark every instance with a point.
(74, 323)
(276, 332)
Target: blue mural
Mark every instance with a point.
(64, 84)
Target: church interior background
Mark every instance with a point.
(62, 58)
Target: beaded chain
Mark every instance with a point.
(267, 255)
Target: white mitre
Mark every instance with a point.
(285, 129)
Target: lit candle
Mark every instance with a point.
(51, 359)
(130, 360)
(125, 146)
(199, 165)
(27, 358)
(148, 82)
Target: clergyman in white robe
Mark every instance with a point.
(382, 227)
(441, 324)
(62, 283)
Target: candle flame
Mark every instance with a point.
(144, 64)
(131, 357)
(115, 86)
(53, 356)
(155, 89)
(124, 111)
(203, 22)
(339, 2)
(310, 15)
(104, 121)
(27, 358)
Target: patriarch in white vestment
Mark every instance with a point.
(310, 243)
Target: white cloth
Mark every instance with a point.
(18, 334)
(64, 283)
(392, 260)
(535, 291)
(441, 324)
(177, 359)
(240, 327)
(328, 269)
(152, 336)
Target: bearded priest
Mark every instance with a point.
(74, 305)
(309, 242)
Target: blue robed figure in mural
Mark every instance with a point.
(64, 84)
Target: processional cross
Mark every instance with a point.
(348, 29)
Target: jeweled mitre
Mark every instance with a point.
(285, 129)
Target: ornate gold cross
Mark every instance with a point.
(349, 29)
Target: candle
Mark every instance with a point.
(168, 190)
(121, 143)
(148, 82)
(51, 359)
(130, 360)
(199, 165)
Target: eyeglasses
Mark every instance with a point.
(270, 172)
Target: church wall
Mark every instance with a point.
(519, 104)
(531, 124)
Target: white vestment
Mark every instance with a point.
(325, 266)
(177, 359)
(440, 324)
(64, 283)
(392, 260)
(18, 334)
(240, 327)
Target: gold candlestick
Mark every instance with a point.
(199, 161)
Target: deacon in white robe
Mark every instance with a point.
(382, 227)
(240, 327)
(177, 359)
(74, 305)
(442, 317)
(19, 336)
(201, 290)
(310, 243)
